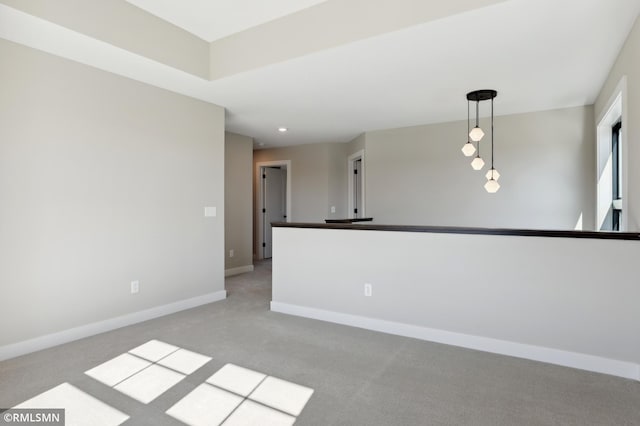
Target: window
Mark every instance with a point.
(611, 162)
(616, 176)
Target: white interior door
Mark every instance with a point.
(274, 182)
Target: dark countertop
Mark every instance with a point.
(357, 219)
(466, 230)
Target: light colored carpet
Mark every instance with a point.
(359, 377)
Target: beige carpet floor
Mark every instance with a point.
(358, 377)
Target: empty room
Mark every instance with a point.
(319, 212)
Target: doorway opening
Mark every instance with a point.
(274, 202)
(355, 165)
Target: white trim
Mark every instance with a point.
(359, 155)
(237, 271)
(259, 195)
(613, 367)
(614, 109)
(69, 335)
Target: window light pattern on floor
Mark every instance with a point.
(233, 396)
(81, 409)
(149, 370)
(238, 396)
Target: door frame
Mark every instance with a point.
(352, 159)
(260, 198)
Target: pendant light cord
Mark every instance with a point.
(478, 125)
(468, 121)
(492, 138)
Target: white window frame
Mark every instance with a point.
(614, 111)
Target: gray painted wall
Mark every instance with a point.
(356, 144)
(628, 64)
(309, 178)
(238, 204)
(418, 176)
(318, 180)
(103, 181)
(319, 177)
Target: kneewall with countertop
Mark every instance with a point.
(556, 300)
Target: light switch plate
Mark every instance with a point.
(368, 290)
(210, 212)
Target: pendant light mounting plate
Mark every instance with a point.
(481, 95)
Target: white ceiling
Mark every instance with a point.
(214, 19)
(538, 55)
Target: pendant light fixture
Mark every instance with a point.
(476, 134)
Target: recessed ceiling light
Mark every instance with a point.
(282, 129)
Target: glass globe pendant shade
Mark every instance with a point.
(476, 134)
(468, 149)
(477, 163)
(492, 186)
(492, 174)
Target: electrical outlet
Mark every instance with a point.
(210, 212)
(368, 290)
(333, 209)
(231, 253)
(135, 287)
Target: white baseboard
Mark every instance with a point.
(69, 335)
(580, 361)
(239, 270)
